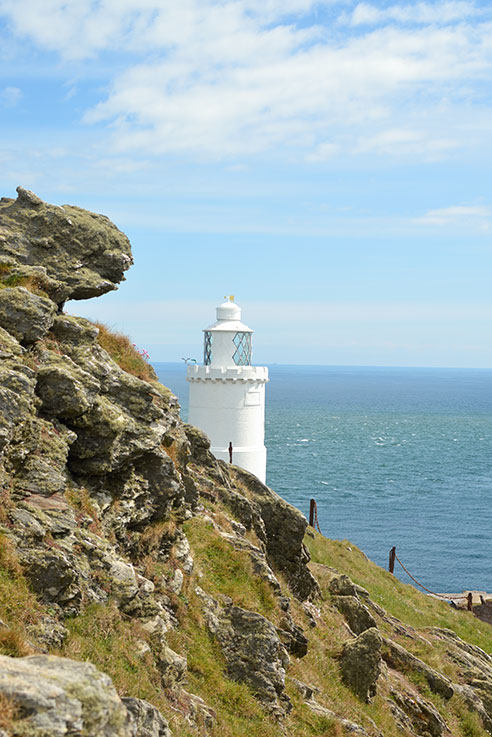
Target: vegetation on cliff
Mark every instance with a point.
(147, 589)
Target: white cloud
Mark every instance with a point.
(323, 152)
(401, 141)
(10, 96)
(480, 215)
(236, 77)
(415, 13)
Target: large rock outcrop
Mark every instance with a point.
(68, 252)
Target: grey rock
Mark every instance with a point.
(60, 697)
(253, 651)
(148, 720)
(415, 712)
(284, 527)
(182, 552)
(341, 585)
(175, 584)
(399, 658)
(292, 637)
(9, 346)
(54, 576)
(197, 712)
(74, 331)
(360, 663)
(65, 390)
(357, 615)
(25, 315)
(48, 632)
(172, 667)
(122, 579)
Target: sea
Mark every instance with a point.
(393, 457)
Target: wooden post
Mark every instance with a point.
(230, 452)
(392, 555)
(469, 601)
(312, 506)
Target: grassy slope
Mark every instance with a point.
(114, 642)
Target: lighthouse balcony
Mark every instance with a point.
(227, 374)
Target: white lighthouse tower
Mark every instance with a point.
(227, 393)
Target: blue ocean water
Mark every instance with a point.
(393, 456)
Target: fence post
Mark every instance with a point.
(469, 601)
(312, 506)
(392, 554)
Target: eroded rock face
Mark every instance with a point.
(357, 615)
(72, 253)
(100, 482)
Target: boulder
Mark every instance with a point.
(360, 663)
(60, 697)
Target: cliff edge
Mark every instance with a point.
(147, 589)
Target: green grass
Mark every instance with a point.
(400, 600)
(19, 607)
(228, 571)
(104, 637)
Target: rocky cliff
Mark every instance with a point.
(147, 589)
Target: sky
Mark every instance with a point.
(328, 163)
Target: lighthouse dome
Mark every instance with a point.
(228, 311)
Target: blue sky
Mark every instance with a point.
(326, 162)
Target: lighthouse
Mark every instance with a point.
(227, 393)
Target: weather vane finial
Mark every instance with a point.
(230, 297)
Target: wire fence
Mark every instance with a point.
(447, 597)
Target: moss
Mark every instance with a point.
(33, 282)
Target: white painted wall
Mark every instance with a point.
(227, 401)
